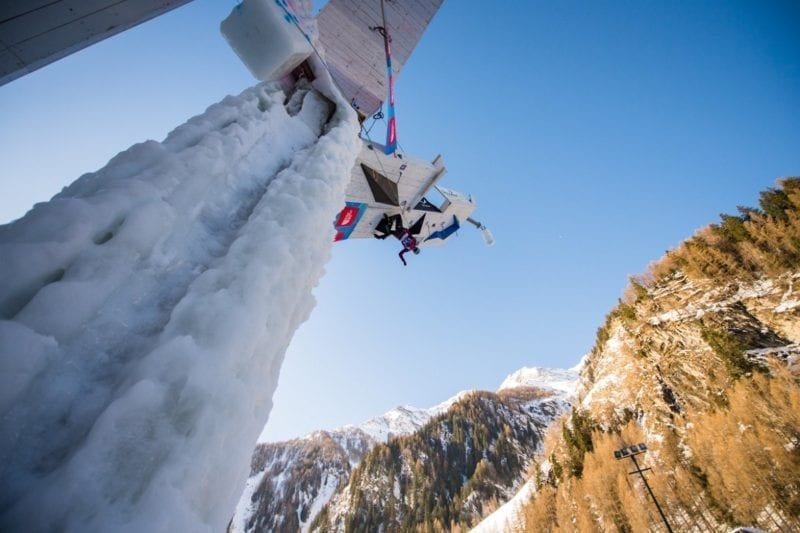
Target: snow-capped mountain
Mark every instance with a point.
(451, 472)
(559, 380)
(403, 420)
(291, 481)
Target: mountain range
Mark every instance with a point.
(684, 416)
(292, 481)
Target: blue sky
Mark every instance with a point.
(594, 136)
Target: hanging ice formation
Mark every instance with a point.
(146, 310)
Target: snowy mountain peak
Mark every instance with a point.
(399, 421)
(403, 420)
(559, 380)
(286, 493)
(406, 419)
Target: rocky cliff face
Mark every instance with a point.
(701, 361)
(684, 343)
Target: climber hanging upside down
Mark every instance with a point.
(393, 225)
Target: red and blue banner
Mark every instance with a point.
(445, 232)
(348, 219)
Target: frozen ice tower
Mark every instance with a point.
(145, 311)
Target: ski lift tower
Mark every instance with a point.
(631, 452)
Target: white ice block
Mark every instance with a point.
(264, 35)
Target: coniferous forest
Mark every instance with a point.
(446, 476)
(705, 349)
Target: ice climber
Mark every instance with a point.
(393, 225)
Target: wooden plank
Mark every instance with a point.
(354, 51)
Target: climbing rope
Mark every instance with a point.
(376, 117)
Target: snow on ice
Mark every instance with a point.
(146, 310)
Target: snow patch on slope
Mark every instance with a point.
(559, 380)
(326, 491)
(245, 508)
(403, 420)
(508, 516)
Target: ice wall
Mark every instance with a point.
(145, 311)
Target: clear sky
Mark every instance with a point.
(593, 135)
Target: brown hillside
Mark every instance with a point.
(701, 361)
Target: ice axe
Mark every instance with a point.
(488, 238)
